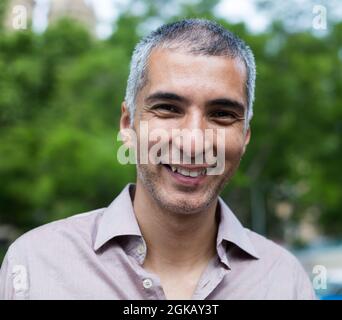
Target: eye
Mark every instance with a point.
(166, 108)
(225, 117)
(221, 114)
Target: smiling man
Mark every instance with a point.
(169, 235)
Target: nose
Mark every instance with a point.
(192, 133)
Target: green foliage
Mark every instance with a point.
(60, 98)
(3, 6)
(295, 150)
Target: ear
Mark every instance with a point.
(247, 138)
(125, 126)
(125, 119)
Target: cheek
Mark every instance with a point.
(234, 144)
(153, 146)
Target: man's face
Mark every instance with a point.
(203, 92)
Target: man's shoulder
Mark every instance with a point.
(73, 228)
(271, 252)
(282, 268)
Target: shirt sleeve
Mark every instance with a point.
(14, 282)
(6, 287)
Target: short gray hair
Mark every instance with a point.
(196, 36)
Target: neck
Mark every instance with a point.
(179, 241)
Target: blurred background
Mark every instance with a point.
(63, 72)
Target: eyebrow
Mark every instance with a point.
(170, 96)
(162, 95)
(229, 103)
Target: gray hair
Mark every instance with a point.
(196, 36)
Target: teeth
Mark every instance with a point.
(188, 173)
(194, 173)
(184, 172)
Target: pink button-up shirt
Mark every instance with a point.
(100, 255)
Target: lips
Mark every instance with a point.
(192, 172)
(186, 175)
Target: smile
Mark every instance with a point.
(188, 175)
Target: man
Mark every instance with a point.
(169, 236)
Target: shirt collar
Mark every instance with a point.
(119, 220)
(231, 230)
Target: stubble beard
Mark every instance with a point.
(149, 180)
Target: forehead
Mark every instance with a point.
(196, 76)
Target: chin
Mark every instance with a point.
(185, 204)
(183, 207)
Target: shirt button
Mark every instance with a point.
(141, 249)
(147, 283)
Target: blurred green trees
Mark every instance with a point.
(60, 96)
